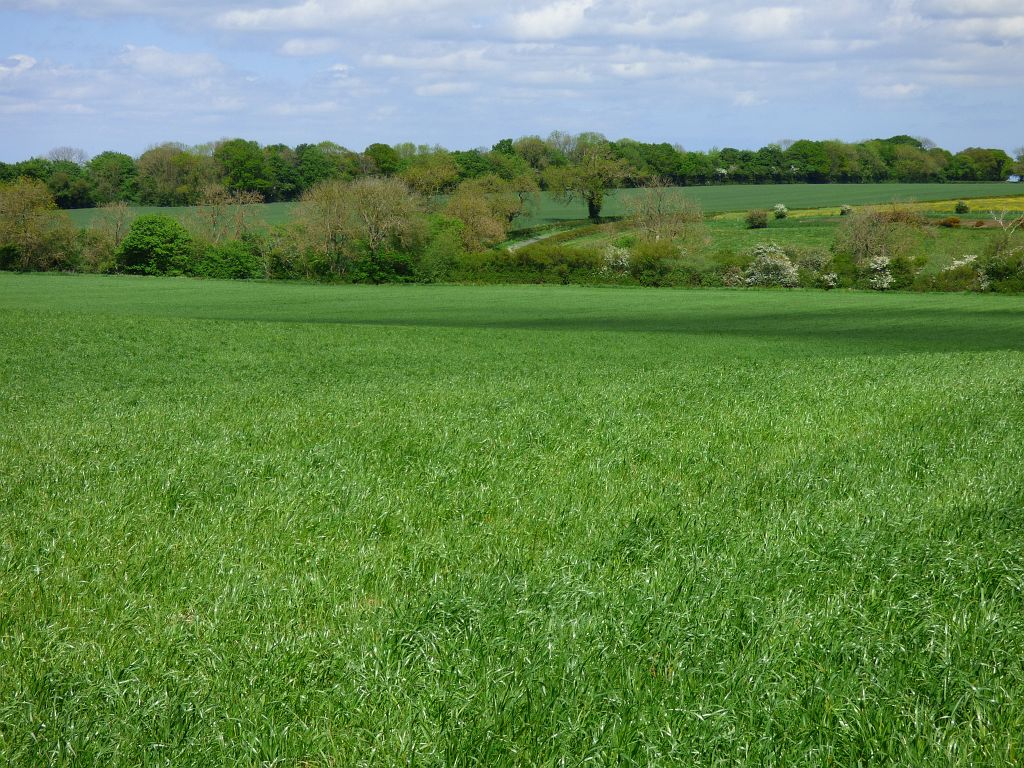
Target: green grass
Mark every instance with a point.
(714, 199)
(940, 245)
(271, 213)
(744, 197)
(288, 524)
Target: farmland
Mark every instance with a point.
(713, 199)
(296, 524)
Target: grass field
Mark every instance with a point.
(744, 197)
(714, 199)
(301, 525)
(940, 245)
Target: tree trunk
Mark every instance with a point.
(593, 209)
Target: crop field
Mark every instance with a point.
(307, 525)
(713, 199)
(270, 213)
(744, 197)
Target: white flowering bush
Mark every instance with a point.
(881, 281)
(970, 260)
(771, 267)
(780, 211)
(616, 259)
(879, 276)
(963, 274)
(829, 281)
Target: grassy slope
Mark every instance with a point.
(503, 526)
(713, 199)
(941, 245)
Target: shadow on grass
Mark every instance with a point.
(853, 330)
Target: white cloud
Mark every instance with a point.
(988, 28)
(893, 91)
(308, 15)
(747, 99)
(553, 77)
(20, 63)
(32, 107)
(764, 22)
(309, 46)
(551, 22)
(153, 61)
(292, 109)
(675, 26)
(329, 14)
(970, 7)
(642, 63)
(632, 69)
(471, 59)
(445, 89)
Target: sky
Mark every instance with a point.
(127, 74)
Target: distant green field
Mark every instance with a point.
(303, 525)
(272, 213)
(721, 199)
(714, 199)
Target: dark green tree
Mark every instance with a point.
(242, 166)
(384, 160)
(155, 245)
(113, 177)
(281, 164)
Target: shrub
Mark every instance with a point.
(443, 252)
(1002, 262)
(845, 210)
(732, 277)
(536, 263)
(950, 222)
(663, 213)
(616, 259)
(771, 267)
(879, 277)
(230, 260)
(652, 260)
(963, 274)
(757, 219)
(962, 207)
(869, 237)
(815, 259)
(155, 245)
(780, 211)
(899, 214)
(97, 252)
(829, 281)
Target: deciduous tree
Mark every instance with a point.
(594, 172)
(660, 212)
(113, 177)
(34, 235)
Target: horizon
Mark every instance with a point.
(202, 147)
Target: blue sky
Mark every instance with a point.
(127, 74)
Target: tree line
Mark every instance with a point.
(377, 229)
(174, 174)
